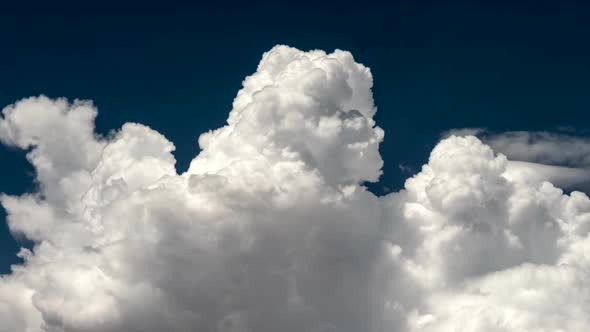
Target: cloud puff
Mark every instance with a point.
(492, 252)
(271, 229)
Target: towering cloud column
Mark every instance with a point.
(271, 229)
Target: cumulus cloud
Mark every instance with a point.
(271, 228)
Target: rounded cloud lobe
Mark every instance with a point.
(271, 229)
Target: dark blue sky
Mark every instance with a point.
(504, 66)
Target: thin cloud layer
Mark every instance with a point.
(543, 147)
(270, 229)
(560, 158)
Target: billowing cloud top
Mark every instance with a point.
(270, 229)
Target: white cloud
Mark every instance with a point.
(270, 229)
(566, 177)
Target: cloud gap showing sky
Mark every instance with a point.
(271, 228)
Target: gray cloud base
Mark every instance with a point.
(270, 229)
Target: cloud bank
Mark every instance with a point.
(270, 229)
